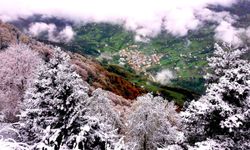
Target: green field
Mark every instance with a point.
(188, 54)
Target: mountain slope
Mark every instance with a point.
(90, 70)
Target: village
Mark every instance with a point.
(137, 59)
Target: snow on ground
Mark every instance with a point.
(7, 136)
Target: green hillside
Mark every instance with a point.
(185, 56)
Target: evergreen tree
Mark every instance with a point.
(222, 115)
(54, 112)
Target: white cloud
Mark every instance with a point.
(248, 32)
(67, 34)
(208, 15)
(38, 28)
(164, 77)
(227, 33)
(50, 31)
(178, 22)
(146, 17)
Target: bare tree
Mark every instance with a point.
(100, 105)
(153, 123)
(17, 64)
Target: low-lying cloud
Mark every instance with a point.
(229, 34)
(50, 32)
(164, 77)
(146, 18)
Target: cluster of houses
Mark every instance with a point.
(137, 59)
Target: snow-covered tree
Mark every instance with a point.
(17, 64)
(153, 123)
(222, 115)
(208, 144)
(54, 112)
(100, 105)
(224, 58)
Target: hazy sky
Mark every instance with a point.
(145, 17)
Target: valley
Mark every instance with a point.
(139, 62)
